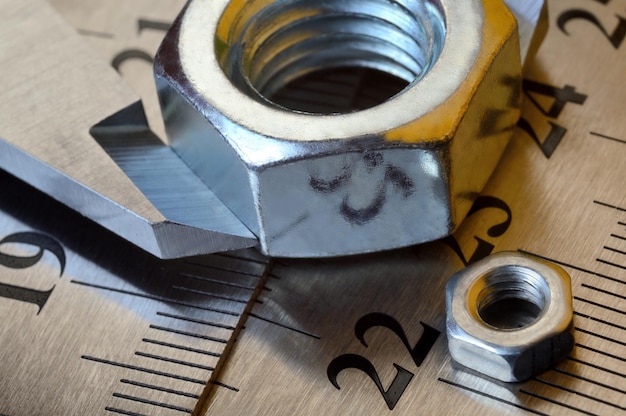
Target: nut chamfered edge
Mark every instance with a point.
(403, 172)
(509, 316)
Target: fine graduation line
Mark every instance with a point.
(558, 403)
(174, 361)
(602, 321)
(606, 292)
(196, 321)
(595, 334)
(619, 266)
(189, 334)
(614, 250)
(143, 369)
(604, 204)
(599, 305)
(152, 403)
(606, 354)
(496, 398)
(222, 269)
(122, 412)
(181, 347)
(151, 297)
(597, 367)
(604, 136)
(300, 331)
(159, 388)
(588, 380)
(216, 281)
(220, 384)
(580, 269)
(578, 393)
(209, 294)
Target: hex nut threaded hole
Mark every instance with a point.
(512, 298)
(311, 56)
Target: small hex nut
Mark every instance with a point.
(509, 316)
(402, 172)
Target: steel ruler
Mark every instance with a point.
(92, 325)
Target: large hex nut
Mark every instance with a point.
(403, 172)
(509, 316)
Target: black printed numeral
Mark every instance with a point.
(484, 248)
(616, 37)
(403, 376)
(42, 243)
(561, 97)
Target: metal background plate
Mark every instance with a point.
(119, 332)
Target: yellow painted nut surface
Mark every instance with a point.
(315, 183)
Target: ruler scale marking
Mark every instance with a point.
(226, 386)
(209, 294)
(498, 399)
(123, 412)
(614, 250)
(282, 325)
(590, 302)
(189, 334)
(558, 403)
(615, 139)
(196, 321)
(597, 367)
(569, 390)
(586, 379)
(152, 403)
(601, 352)
(143, 369)
(222, 269)
(594, 334)
(619, 266)
(604, 291)
(605, 204)
(173, 361)
(156, 298)
(181, 347)
(158, 388)
(602, 321)
(219, 282)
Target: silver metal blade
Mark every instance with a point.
(532, 23)
(50, 145)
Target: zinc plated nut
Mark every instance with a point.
(509, 316)
(403, 172)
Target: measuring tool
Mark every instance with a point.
(93, 325)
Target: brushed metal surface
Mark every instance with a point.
(570, 207)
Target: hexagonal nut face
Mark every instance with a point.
(402, 172)
(509, 316)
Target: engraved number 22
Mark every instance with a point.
(403, 376)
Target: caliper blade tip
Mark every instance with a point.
(46, 116)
